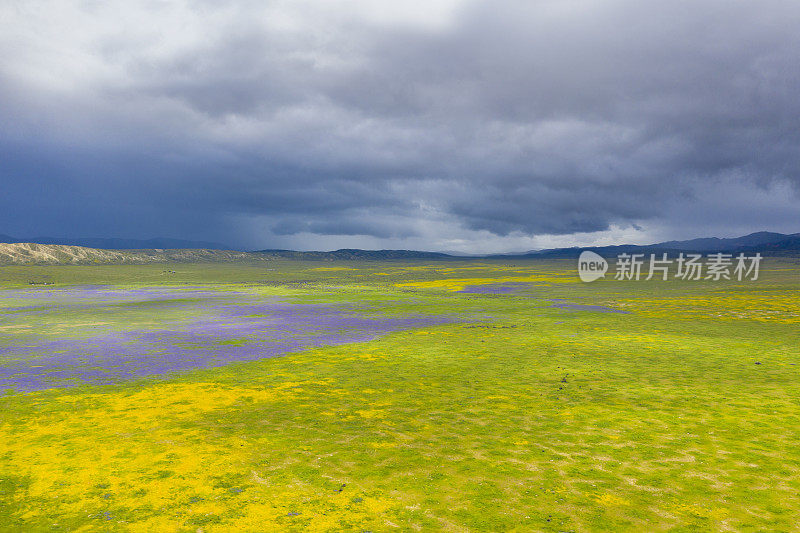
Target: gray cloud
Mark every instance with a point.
(501, 121)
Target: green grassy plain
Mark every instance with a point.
(682, 415)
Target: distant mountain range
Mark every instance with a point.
(131, 251)
(764, 242)
(355, 254)
(122, 244)
(724, 245)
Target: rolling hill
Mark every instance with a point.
(120, 244)
(35, 253)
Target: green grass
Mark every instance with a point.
(534, 419)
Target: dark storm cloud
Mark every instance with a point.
(512, 117)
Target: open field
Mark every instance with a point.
(416, 396)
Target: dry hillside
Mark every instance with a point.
(32, 253)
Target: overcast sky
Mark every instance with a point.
(439, 124)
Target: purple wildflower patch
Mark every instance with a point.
(229, 332)
(494, 288)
